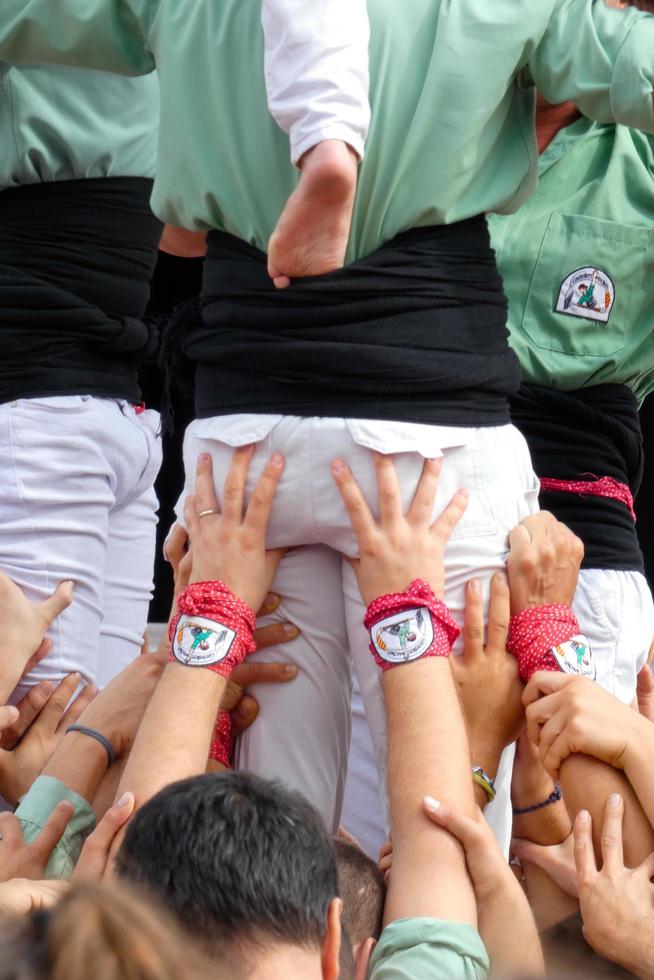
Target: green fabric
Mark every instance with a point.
(35, 809)
(429, 949)
(452, 97)
(593, 209)
(67, 124)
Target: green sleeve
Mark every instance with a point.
(110, 35)
(412, 948)
(600, 58)
(34, 811)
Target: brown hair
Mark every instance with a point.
(101, 931)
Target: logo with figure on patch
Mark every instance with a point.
(404, 636)
(200, 642)
(588, 293)
(575, 657)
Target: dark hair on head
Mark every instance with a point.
(236, 858)
(362, 888)
(100, 931)
(567, 954)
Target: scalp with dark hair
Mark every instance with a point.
(361, 886)
(235, 858)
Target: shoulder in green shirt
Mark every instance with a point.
(429, 949)
(578, 262)
(452, 91)
(69, 123)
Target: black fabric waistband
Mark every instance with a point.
(415, 331)
(581, 435)
(76, 259)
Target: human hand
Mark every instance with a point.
(228, 546)
(242, 707)
(23, 625)
(486, 678)
(543, 564)
(21, 860)
(645, 693)
(568, 714)
(385, 859)
(117, 711)
(20, 766)
(94, 859)
(556, 860)
(26, 711)
(21, 896)
(617, 903)
(398, 549)
(177, 553)
(505, 921)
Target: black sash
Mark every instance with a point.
(581, 435)
(76, 258)
(416, 332)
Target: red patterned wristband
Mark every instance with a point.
(213, 628)
(549, 638)
(408, 626)
(222, 742)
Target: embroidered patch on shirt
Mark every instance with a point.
(201, 642)
(404, 636)
(575, 657)
(588, 293)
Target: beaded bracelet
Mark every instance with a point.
(554, 797)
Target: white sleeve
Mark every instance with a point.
(316, 65)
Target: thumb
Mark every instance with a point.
(8, 716)
(60, 599)
(95, 853)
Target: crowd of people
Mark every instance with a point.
(399, 724)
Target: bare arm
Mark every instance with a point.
(428, 746)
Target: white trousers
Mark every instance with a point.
(616, 612)
(302, 733)
(77, 502)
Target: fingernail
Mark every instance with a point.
(277, 460)
(614, 801)
(290, 670)
(583, 816)
(271, 600)
(93, 689)
(76, 677)
(431, 803)
(463, 494)
(13, 711)
(475, 586)
(290, 630)
(338, 466)
(124, 800)
(501, 578)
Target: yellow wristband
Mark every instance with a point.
(482, 779)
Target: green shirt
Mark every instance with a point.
(429, 949)
(452, 91)
(593, 212)
(34, 811)
(68, 124)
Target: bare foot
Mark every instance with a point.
(312, 234)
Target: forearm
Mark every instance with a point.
(587, 784)
(509, 932)
(428, 756)
(174, 737)
(80, 762)
(638, 765)
(317, 71)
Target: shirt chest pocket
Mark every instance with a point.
(589, 274)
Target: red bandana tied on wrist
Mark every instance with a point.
(408, 626)
(549, 638)
(222, 742)
(213, 628)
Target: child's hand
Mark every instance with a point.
(399, 549)
(228, 546)
(486, 677)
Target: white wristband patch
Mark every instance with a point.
(575, 657)
(200, 642)
(404, 636)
